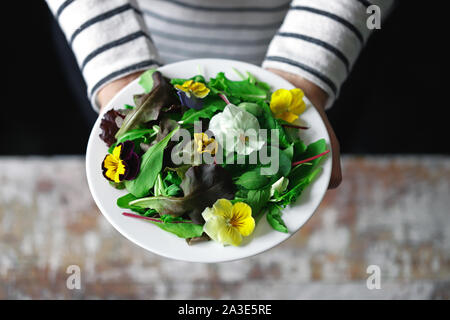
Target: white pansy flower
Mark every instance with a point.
(236, 130)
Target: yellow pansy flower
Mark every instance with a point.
(205, 144)
(227, 223)
(287, 104)
(113, 167)
(122, 164)
(198, 89)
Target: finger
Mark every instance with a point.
(336, 171)
(336, 176)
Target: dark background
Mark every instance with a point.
(394, 101)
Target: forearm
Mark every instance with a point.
(320, 40)
(106, 93)
(313, 92)
(319, 99)
(109, 40)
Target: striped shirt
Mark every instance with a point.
(316, 39)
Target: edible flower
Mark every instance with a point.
(287, 104)
(236, 130)
(191, 94)
(227, 223)
(122, 164)
(205, 144)
(198, 89)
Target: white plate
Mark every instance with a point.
(168, 245)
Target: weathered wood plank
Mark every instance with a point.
(390, 211)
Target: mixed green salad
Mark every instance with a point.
(207, 159)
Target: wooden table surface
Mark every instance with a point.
(392, 212)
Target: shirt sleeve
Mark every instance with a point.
(321, 39)
(108, 37)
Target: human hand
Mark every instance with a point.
(108, 92)
(319, 98)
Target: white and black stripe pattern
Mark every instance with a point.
(320, 40)
(145, 64)
(112, 45)
(61, 7)
(317, 39)
(207, 26)
(101, 17)
(231, 6)
(213, 28)
(109, 39)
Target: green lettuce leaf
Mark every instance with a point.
(301, 171)
(149, 105)
(295, 190)
(274, 219)
(137, 134)
(202, 186)
(267, 121)
(172, 177)
(211, 105)
(252, 108)
(124, 203)
(169, 186)
(299, 149)
(180, 81)
(257, 200)
(146, 80)
(151, 165)
(181, 228)
(244, 90)
(254, 179)
(172, 190)
(302, 175)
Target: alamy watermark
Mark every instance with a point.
(74, 279)
(248, 146)
(374, 279)
(374, 20)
